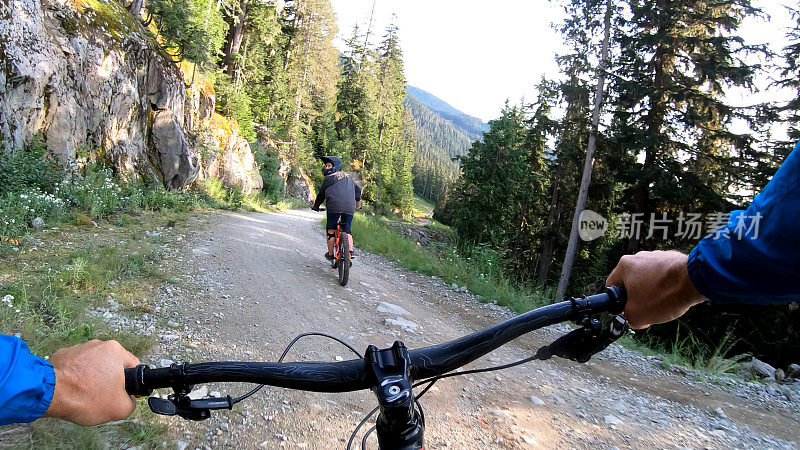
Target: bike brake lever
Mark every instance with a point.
(162, 406)
(183, 406)
(581, 344)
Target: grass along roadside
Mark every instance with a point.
(56, 280)
(686, 351)
(422, 207)
(479, 271)
(36, 192)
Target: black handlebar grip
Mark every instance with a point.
(617, 297)
(134, 381)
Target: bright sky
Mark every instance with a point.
(474, 54)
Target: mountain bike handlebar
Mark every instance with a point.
(353, 375)
(390, 373)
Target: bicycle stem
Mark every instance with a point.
(399, 426)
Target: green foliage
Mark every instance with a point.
(28, 169)
(373, 121)
(422, 207)
(18, 209)
(101, 194)
(672, 141)
(269, 165)
(476, 267)
(234, 102)
(666, 143)
(689, 348)
(98, 193)
(206, 15)
(355, 105)
(499, 199)
(50, 304)
(279, 68)
(220, 196)
(191, 29)
(673, 104)
(80, 198)
(788, 112)
(438, 141)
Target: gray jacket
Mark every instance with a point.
(338, 191)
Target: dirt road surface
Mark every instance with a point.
(251, 282)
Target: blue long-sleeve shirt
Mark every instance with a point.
(27, 382)
(755, 258)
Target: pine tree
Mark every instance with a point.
(499, 199)
(310, 66)
(790, 78)
(188, 29)
(356, 126)
(393, 158)
(676, 59)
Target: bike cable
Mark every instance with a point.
(468, 372)
(288, 347)
(358, 427)
(364, 441)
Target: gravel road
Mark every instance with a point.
(251, 282)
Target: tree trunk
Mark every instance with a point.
(569, 258)
(289, 44)
(235, 37)
(240, 67)
(366, 36)
(546, 256)
(136, 7)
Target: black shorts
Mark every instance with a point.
(347, 221)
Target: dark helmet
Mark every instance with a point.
(337, 164)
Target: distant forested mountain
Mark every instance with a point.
(472, 126)
(443, 133)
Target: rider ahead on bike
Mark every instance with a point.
(342, 196)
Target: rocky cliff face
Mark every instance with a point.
(228, 156)
(95, 83)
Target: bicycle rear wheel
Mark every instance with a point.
(344, 259)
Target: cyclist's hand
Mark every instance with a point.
(658, 285)
(90, 383)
